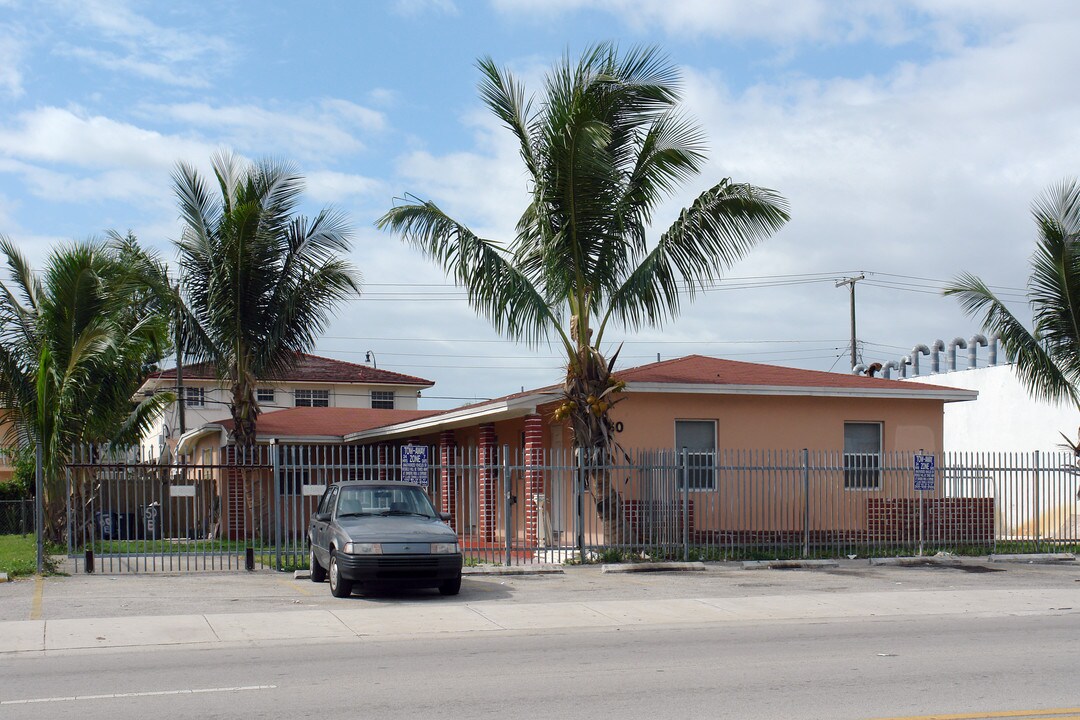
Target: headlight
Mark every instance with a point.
(363, 549)
(444, 548)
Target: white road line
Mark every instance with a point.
(111, 696)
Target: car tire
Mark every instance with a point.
(318, 572)
(451, 587)
(339, 586)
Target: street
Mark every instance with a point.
(971, 639)
(856, 668)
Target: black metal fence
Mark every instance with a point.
(16, 517)
(224, 511)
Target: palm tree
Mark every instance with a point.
(603, 146)
(1047, 357)
(258, 281)
(75, 344)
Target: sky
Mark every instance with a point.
(910, 139)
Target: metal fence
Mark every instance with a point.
(224, 511)
(16, 517)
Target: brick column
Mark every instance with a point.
(489, 469)
(448, 475)
(534, 477)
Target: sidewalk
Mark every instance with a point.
(812, 596)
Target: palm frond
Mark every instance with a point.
(720, 227)
(493, 285)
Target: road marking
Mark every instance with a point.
(112, 696)
(296, 586)
(1054, 714)
(35, 604)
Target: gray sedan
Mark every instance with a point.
(375, 534)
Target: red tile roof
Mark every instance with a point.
(312, 368)
(327, 421)
(702, 370)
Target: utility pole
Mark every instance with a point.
(180, 399)
(851, 283)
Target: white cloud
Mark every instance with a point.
(326, 186)
(325, 130)
(143, 47)
(67, 137)
(11, 55)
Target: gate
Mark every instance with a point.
(224, 510)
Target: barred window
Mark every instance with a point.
(312, 398)
(862, 455)
(194, 396)
(382, 399)
(698, 438)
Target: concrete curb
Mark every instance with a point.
(513, 570)
(653, 567)
(1042, 558)
(915, 561)
(788, 564)
(3, 577)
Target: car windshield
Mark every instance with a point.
(384, 500)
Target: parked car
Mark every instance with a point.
(375, 534)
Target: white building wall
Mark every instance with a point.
(1034, 497)
(1004, 418)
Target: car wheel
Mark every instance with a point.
(339, 586)
(451, 587)
(318, 572)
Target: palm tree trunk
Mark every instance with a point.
(587, 394)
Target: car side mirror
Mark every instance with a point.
(445, 517)
(322, 516)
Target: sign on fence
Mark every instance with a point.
(924, 472)
(414, 464)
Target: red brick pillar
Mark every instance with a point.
(534, 477)
(489, 469)
(448, 475)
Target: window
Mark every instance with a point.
(264, 395)
(862, 455)
(312, 398)
(194, 396)
(382, 399)
(698, 438)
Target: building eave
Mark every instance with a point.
(901, 393)
(463, 417)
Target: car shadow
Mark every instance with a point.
(472, 589)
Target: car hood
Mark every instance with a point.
(397, 528)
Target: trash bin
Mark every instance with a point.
(151, 521)
(106, 523)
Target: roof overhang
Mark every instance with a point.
(186, 442)
(902, 393)
(505, 409)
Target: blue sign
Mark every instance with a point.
(924, 472)
(414, 464)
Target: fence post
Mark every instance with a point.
(806, 502)
(508, 489)
(39, 514)
(1036, 518)
(275, 463)
(579, 502)
(685, 505)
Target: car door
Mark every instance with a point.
(320, 522)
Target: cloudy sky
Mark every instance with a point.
(910, 139)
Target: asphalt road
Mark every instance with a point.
(855, 668)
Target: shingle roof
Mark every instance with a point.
(702, 370)
(327, 421)
(312, 368)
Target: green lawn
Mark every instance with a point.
(18, 554)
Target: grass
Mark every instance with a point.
(18, 555)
